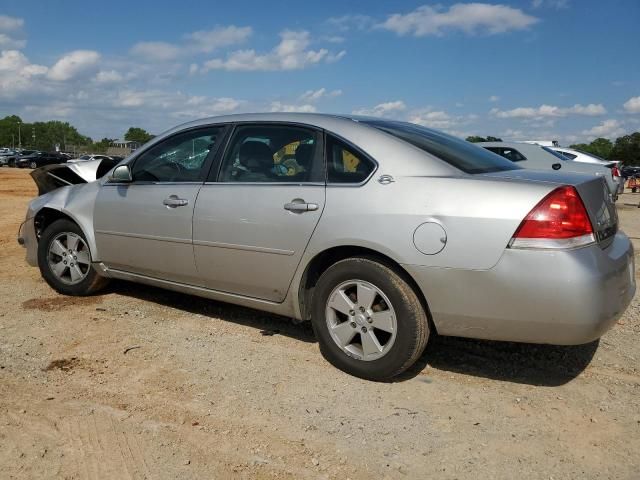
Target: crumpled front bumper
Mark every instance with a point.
(564, 297)
(28, 239)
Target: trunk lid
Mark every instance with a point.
(593, 191)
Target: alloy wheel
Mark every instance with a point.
(69, 258)
(361, 320)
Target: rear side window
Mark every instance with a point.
(345, 164)
(508, 153)
(456, 152)
(570, 156)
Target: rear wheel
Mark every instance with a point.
(65, 260)
(33, 165)
(368, 320)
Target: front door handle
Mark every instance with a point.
(299, 206)
(174, 201)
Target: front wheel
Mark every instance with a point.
(33, 165)
(65, 260)
(369, 321)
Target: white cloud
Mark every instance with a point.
(283, 107)
(316, 95)
(632, 105)
(469, 18)
(74, 64)
(608, 128)
(210, 40)
(557, 4)
(494, 98)
(156, 51)
(10, 24)
(346, 23)
(291, 53)
(17, 73)
(108, 76)
(382, 109)
(550, 111)
(7, 42)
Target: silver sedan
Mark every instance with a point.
(378, 232)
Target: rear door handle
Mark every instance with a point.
(173, 201)
(299, 206)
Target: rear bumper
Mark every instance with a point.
(557, 297)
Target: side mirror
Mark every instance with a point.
(556, 166)
(121, 174)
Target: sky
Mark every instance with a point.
(566, 70)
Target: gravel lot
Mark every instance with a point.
(143, 383)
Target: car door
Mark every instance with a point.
(145, 226)
(253, 221)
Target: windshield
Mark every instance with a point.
(459, 153)
(555, 153)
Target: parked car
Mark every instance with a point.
(630, 171)
(388, 232)
(580, 156)
(11, 159)
(5, 154)
(39, 159)
(529, 155)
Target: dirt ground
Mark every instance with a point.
(143, 383)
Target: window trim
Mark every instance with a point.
(356, 149)
(206, 165)
(216, 170)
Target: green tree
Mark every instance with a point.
(136, 134)
(627, 149)
(476, 139)
(601, 147)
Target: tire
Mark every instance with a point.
(400, 350)
(88, 281)
(33, 165)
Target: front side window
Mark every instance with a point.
(180, 158)
(344, 164)
(272, 154)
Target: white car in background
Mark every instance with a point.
(584, 157)
(86, 158)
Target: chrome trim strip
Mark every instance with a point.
(250, 248)
(552, 243)
(144, 237)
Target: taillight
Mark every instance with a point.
(615, 171)
(559, 220)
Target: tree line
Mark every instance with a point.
(46, 135)
(625, 149)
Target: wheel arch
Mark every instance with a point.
(323, 260)
(47, 215)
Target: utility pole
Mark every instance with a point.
(33, 135)
(13, 141)
(19, 140)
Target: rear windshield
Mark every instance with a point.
(556, 153)
(459, 153)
